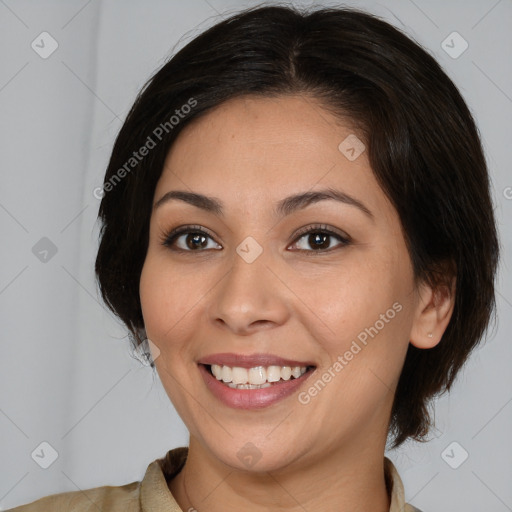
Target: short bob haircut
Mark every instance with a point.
(422, 142)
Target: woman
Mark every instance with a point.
(297, 224)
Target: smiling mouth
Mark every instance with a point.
(257, 377)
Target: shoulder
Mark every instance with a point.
(395, 488)
(124, 498)
(151, 493)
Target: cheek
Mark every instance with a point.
(152, 297)
(351, 294)
(172, 299)
(162, 299)
(367, 308)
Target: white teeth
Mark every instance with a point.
(274, 373)
(257, 376)
(249, 386)
(286, 373)
(226, 374)
(239, 375)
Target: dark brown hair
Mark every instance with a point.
(422, 143)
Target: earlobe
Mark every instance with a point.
(433, 313)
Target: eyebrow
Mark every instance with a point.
(282, 208)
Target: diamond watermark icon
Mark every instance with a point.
(249, 454)
(44, 250)
(352, 147)
(45, 455)
(249, 249)
(454, 455)
(454, 45)
(44, 45)
(147, 352)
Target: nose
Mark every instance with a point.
(249, 297)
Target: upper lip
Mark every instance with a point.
(250, 361)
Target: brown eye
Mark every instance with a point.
(188, 239)
(319, 239)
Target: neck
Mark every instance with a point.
(349, 478)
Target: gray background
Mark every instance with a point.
(66, 373)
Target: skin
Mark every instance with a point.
(328, 454)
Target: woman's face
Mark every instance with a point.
(255, 284)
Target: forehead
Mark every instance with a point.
(259, 148)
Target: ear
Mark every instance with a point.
(433, 313)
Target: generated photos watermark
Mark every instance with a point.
(304, 397)
(151, 142)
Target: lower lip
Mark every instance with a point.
(251, 398)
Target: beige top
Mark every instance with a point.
(153, 495)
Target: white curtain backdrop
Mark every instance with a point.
(69, 73)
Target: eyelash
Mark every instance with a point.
(169, 238)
